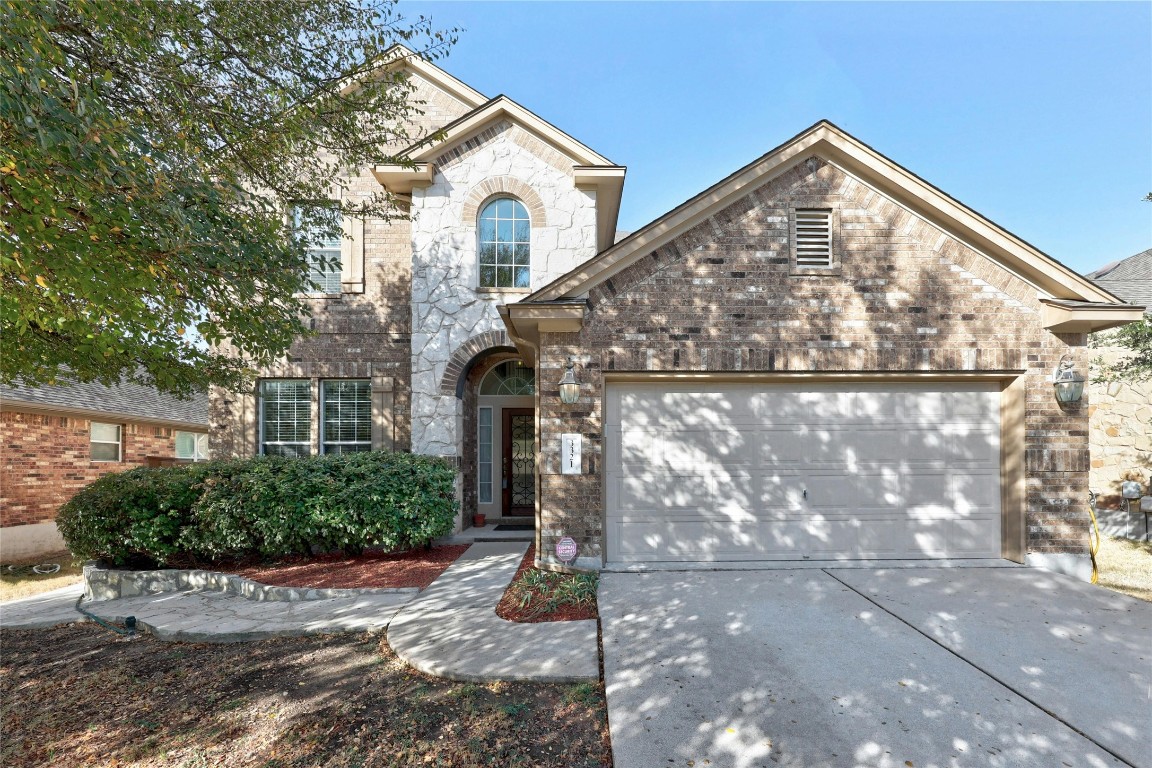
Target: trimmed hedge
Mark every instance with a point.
(267, 506)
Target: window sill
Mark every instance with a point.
(320, 296)
(833, 271)
(500, 291)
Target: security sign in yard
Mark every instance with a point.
(566, 550)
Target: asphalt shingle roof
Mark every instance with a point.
(1130, 279)
(122, 400)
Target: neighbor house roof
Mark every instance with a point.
(126, 402)
(1130, 279)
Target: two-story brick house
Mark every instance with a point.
(820, 357)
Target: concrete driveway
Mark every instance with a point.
(912, 667)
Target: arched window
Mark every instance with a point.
(505, 235)
(511, 377)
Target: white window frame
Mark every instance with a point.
(514, 243)
(324, 442)
(263, 400)
(199, 445)
(119, 442)
(484, 468)
(329, 277)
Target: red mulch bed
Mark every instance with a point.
(414, 568)
(509, 606)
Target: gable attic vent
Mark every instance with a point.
(813, 237)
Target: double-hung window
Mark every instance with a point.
(347, 408)
(319, 227)
(104, 442)
(286, 417)
(505, 237)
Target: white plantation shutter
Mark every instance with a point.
(813, 237)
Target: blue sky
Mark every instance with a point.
(1036, 115)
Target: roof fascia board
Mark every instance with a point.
(1061, 319)
(13, 404)
(404, 57)
(926, 200)
(502, 106)
(671, 225)
(906, 189)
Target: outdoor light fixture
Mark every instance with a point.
(1068, 383)
(569, 389)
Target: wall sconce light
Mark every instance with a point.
(569, 389)
(1068, 383)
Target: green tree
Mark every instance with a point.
(1136, 365)
(148, 149)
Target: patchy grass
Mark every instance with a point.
(18, 579)
(1126, 566)
(79, 695)
(536, 595)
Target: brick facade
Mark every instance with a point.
(47, 459)
(907, 299)
(364, 332)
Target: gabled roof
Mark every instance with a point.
(402, 56)
(502, 107)
(1130, 279)
(125, 401)
(590, 169)
(1051, 278)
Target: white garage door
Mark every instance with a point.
(712, 472)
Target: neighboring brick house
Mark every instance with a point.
(57, 439)
(820, 357)
(1121, 411)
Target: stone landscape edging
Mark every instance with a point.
(102, 584)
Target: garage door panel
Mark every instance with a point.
(720, 474)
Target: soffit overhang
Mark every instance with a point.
(1064, 316)
(1050, 278)
(525, 323)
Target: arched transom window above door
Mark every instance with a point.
(509, 378)
(505, 244)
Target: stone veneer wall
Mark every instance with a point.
(447, 307)
(720, 299)
(362, 333)
(1120, 435)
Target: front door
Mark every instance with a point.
(519, 452)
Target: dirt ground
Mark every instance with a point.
(80, 695)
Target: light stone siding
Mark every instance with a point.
(447, 308)
(1120, 433)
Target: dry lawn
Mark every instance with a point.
(17, 579)
(1126, 566)
(80, 695)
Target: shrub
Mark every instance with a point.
(267, 506)
(137, 516)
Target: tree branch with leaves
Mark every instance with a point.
(148, 150)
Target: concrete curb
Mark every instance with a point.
(101, 584)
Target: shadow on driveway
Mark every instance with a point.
(922, 667)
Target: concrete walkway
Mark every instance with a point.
(452, 630)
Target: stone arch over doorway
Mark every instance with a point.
(468, 355)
